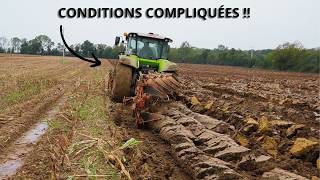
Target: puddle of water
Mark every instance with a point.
(10, 167)
(22, 146)
(33, 135)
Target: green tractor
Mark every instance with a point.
(144, 54)
(143, 73)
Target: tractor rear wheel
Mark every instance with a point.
(121, 85)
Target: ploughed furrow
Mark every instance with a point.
(196, 162)
(201, 145)
(215, 144)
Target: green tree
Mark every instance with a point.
(287, 56)
(100, 49)
(87, 48)
(204, 56)
(31, 47)
(108, 53)
(46, 43)
(16, 44)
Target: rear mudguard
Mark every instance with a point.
(129, 61)
(167, 66)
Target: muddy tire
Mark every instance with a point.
(121, 85)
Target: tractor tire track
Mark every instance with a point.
(27, 115)
(14, 155)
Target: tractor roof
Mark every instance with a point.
(152, 35)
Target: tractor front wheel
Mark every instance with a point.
(121, 83)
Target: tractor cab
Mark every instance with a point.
(147, 46)
(146, 51)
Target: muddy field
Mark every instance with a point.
(57, 121)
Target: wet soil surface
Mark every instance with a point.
(229, 123)
(13, 157)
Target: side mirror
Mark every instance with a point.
(117, 41)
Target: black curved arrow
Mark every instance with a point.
(96, 61)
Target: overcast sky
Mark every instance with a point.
(272, 22)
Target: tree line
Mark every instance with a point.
(43, 45)
(286, 57)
